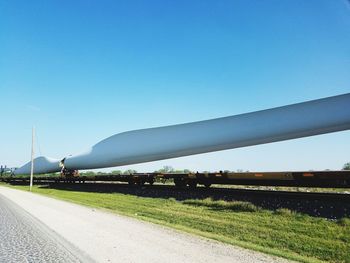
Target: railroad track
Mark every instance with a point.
(213, 189)
(166, 187)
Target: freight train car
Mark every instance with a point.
(327, 179)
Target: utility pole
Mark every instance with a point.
(32, 166)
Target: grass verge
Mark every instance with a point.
(281, 233)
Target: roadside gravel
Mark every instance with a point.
(107, 237)
(25, 239)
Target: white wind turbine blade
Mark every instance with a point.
(42, 165)
(283, 123)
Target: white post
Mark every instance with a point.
(32, 166)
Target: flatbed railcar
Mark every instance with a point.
(326, 179)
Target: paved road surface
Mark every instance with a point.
(108, 237)
(25, 239)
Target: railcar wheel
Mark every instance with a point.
(192, 184)
(207, 185)
(131, 182)
(140, 183)
(179, 183)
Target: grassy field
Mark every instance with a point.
(282, 233)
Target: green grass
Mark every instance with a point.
(283, 232)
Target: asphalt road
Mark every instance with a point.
(23, 238)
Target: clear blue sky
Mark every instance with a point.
(81, 71)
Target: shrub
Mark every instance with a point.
(345, 221)
(172, 199)
(238, 206)
(284, 212)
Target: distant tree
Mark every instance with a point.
(51, 174)
(130, 171)
(116, 172)
(182, 171)
(346, 166)
(166, 169)
(88, 173)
